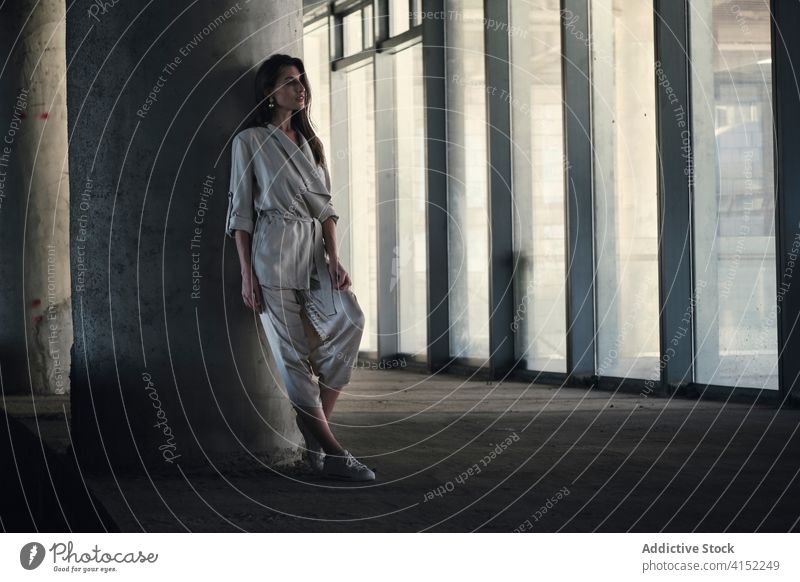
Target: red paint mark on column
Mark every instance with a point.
(44, 115)
(36, 303)
(38, 318)
(23, 115)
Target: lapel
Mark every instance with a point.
(302, 158)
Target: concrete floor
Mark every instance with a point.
(578, 461)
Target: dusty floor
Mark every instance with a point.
(573, 460)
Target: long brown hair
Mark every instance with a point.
(266, 78)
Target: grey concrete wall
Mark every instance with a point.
(169, 367)
(13, 371)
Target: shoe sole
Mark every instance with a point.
(345, 478)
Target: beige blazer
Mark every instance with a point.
(280, 196)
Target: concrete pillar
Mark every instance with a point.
(37, 324)
(169, 368)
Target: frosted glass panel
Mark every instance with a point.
(316, 58)
(398, 17)
(353, 36)
(538, 179)
(626, 219)
(467, 181)
(734, 210)
(361, 154)
(409, 272)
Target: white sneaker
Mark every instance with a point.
(347, 467)
(314, 454)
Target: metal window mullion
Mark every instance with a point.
(579, 204)
(498, 116)
(786, 101)
(675, 248)
(433, 64)
(337, 36)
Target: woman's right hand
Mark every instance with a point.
(251, 291)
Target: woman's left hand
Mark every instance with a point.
(339, 277)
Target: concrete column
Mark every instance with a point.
(37, 323)
(579, 212)
(169, 368)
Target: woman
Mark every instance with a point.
(310, 315)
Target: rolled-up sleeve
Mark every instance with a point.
(320, 204)
(240, 193)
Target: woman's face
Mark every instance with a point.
(289, 91)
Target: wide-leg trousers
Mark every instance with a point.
(303, 341)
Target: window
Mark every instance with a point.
(625, 182)
(467, 181)
(398, 16)
(363, 210)
(409, 263)
(316, 57)
(367, 23)
(538, 182)
(353, 33)
(735, 271)
(357, 31)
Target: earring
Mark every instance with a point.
(271, 103)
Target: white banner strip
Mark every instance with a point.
(352, 556)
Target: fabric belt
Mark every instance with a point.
(284, 214)
(322, 297)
